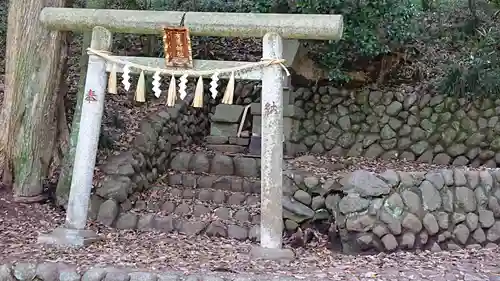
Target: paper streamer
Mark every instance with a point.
(182, 86)
(126, 77)
(156, 84)
(214, 84)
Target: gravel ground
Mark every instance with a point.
(327, 164)
(20, 225)
(337, 167)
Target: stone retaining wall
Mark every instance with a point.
(116, 199)
(131, 172)
(394, 210)
(64, 272)
(152, 146)
(303, 202)
(411, 124)
(446, 209)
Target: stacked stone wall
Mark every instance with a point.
(131, 172)
(50, 271)
(220, 180)
(209, 178)
(447, 209)
(435, 210)
(411, 124)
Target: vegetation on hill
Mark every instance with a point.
(449, 44)
(477, 71)
(445, 43)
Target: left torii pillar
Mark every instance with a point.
(73, 232)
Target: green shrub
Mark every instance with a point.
(371, 27)
(193, 5)
(477, 73)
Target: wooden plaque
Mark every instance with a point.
(177, 47)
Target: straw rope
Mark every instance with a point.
(263, 63)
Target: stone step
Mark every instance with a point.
(169, 209)
(202, 225)
(229, 148)
(218, 164)
(215, 197)
(304, 197)
(188, 210)
(217, 182)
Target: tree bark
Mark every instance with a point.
(29, 113)
(64, 183)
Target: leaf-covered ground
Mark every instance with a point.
(20, 224)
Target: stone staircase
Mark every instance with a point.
(203, 193)
(216, 195)
(218, 164)
(214, 212)
(214, 181)
(195, 211)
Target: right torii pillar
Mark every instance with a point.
(271, 225)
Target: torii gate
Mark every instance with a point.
(272, 27)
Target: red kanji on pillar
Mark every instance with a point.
(91, 96)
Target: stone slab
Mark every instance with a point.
(290, 48)
(239, 141)
(227, 113)
(255, 145)
(65, 237)
(217, 139)
(289, 110)
(287, 97)
(292, 149)
(224, 129)
(260, 253)
(230, 148)
(256, 125)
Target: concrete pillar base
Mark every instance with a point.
(261, 253)
(66, 237)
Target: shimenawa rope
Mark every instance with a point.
(263, 63)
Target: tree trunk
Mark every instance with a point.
(64, 183)
(29, 113)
